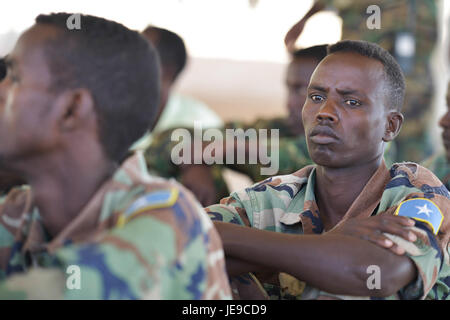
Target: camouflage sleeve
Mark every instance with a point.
(231, 209)
(168, 250)
(11, 217)
(416, 193)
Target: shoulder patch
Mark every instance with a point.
(421, 209)
(153, 200)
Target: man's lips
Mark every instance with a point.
(323, 135)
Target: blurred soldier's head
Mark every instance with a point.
(173, 56)
(93, 90)
(299, 71)
(445, 124)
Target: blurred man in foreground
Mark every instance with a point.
(72, 104)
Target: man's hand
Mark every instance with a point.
(199, 179)
(372, 229)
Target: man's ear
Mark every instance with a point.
(393, 125)
(73, 108)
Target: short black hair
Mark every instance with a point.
(392, 70)
(171, 49)
(317, 52)
(117, 65)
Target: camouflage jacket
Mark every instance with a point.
(287, 204)
(139, 237)
(439, 165)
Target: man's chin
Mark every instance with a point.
(325, 159)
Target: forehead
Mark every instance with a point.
(350, 71)
(29, 55)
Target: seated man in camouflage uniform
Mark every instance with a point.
(72, 103)
(440, 163)
(319, 232)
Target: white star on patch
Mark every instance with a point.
(424, 210)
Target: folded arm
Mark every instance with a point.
(333, 263)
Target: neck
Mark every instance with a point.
(64, 184)
(337, 188)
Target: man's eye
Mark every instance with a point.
(353, 102)
(316, 98)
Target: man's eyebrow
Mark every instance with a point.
(316, 87)
(345, 92)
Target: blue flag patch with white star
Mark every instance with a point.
(421, 209)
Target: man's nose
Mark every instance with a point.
(327, 112)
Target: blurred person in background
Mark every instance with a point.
(175, 110)
(440, 162)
